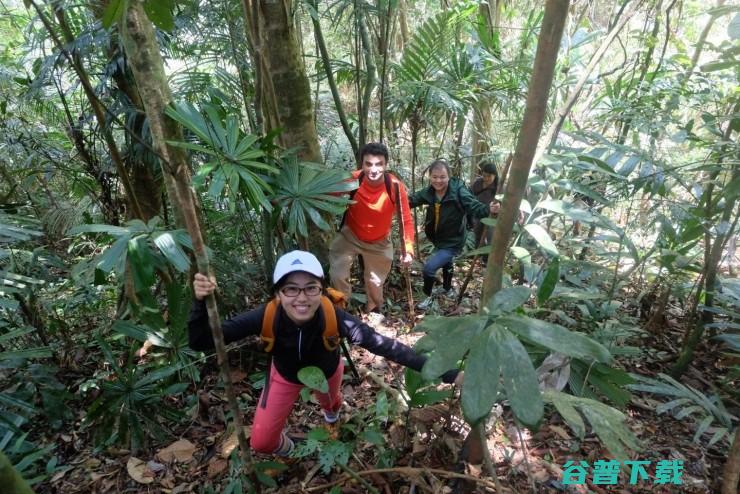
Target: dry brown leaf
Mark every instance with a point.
(231, 442)
(237, 375)
(91, 463)
(138, 471)
(560, 431)
(216, 466)
(181, 450)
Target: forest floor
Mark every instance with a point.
(421, 448)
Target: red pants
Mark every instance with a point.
(269, 420)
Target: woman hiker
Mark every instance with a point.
(484, 188)
(448, 203)
(301, 318)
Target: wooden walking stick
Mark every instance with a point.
(404, 269)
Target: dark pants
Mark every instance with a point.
(441, 258)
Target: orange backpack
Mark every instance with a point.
(333, 298)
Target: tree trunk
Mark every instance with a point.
(700, 44)
(10, 479)
(534, 116)
(286, 92)
(404, 26)
(551, 31)
(147, 66)
(731, 472)
(712, 256)
(370, 82)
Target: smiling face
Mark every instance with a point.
(374, 165)
(302, 307)
(440, 179)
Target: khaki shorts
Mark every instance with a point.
(377, 257)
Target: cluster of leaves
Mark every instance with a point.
(498, 365)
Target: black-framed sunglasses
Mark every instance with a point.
(294, 291)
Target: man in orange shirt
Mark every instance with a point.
(366, 228)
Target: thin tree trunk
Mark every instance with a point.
(700, 45)
(404, 26)
(146, 63)
(386, 21)
(534, 116)
(370, 81)
(551, 32)
(326, 62)
(731, 472)
(548, 140)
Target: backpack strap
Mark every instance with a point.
(389, 182)
(267, 335)
(331, 328)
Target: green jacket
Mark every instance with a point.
(457, 202)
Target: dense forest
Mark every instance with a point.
(143, 141)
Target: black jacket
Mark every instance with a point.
(298, 347)
(457, 203)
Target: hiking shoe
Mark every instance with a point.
(425, 304)
(451, 293)
(330, 417)
(437, 290)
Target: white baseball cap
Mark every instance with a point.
(297, 260)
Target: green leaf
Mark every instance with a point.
(116, 231)
(733, 29)
(314, 378)
(29, 353)
(608, 423)
(448, 342)
(113, 12)
(556, 338)
(520, 380)
(114, 257)
(715, 66)
(429, 397)
(141, 263)
(160, 13)
(482, 371)
(508, 300)
(542, 238)
(172, 251)
(548, 283)
(567, 411)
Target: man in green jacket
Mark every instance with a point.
(448, 203)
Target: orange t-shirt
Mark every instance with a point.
(371, 215)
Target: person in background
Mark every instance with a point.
(298, 341)
(448, 202)
(484, 188)
(366, 228)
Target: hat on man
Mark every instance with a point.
(297, 260)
